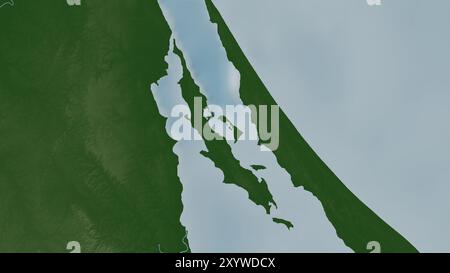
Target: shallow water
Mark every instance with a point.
(219, 217)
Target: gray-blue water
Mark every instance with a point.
(219, 217)
(369, 89)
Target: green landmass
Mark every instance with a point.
(84, 152)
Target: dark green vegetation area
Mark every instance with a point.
(354, 222)
(84, 155)
(219, 152)
(287, 223)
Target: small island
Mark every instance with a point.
(258, 167)
(288, 224)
